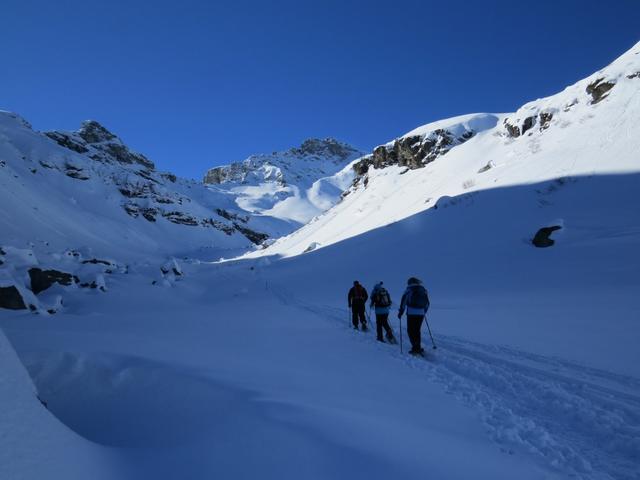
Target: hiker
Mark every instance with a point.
(357, 301)
(381, 300)
(416, 302)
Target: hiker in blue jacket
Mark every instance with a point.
(381, 300)
(416, 302)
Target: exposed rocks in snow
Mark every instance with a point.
(634, 75)
(542, 238)
(172, 266)
(99, 144)
(253, 236)
(283, 167)
(231, 216)
(180, 218)
(134, 210)
(312, 246)
(67, 142)
(43, 279)
(11, 299)
(487, 167)
(517, 127)
(599, 90)
(545, 120)
(412, 151)
(76, 172)
(92, 132)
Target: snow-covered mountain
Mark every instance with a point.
(294, 185)
(524, 226)
(590, 128)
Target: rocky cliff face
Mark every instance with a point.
(424, 145)
(99, 144)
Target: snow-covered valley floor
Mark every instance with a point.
(235, 372)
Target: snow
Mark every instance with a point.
(182, 366)
(295, 185)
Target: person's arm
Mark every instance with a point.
(402, 304)
(428, 301)
(350, 296)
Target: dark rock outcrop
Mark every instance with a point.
(67, 142)
(180, 218)
(412, 152)
(43, 279)
(516, 128)
(253, 236)
(528, 124)
(542, 238)
(11, 299)
(134, 210)
(599, 90)
(75, 172)
(99, 144)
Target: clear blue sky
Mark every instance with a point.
(194, 84)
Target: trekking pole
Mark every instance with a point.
(429, 328)
(400, 328)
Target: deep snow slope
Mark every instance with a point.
(294, 185)
(592, 127)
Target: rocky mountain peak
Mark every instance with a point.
(99, 144)
(93, 132)
(324, 147)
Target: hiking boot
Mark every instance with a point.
(380, 339)
(414, 351)
(355, 327)
(364, 327)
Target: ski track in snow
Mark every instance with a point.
(580, 421)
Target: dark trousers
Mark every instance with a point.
(382, 321)
(358, 313)
(414, 323)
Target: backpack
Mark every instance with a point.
(359, 293)
(418, 297)
(382, 298)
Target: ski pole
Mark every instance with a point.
(429, 328)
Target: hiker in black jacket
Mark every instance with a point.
(357, 300)
(416, 302)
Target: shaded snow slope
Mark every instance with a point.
(566, 135)
(294, 185)
(34, 444)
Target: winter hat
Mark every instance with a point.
(413, 281)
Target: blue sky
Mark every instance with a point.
(193, 84)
